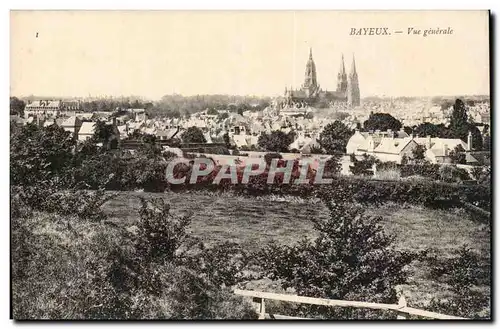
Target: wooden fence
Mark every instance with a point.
(401, 308)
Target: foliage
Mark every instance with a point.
(428, 129)
(362, 167)
(212, 111)
(314, 150)
(462, 273)
(451, 174)
(382, 122)
(460, 126)
(332, 166)
(457, 155)
(193, 135)
(17, 106)
(268, 157)
(103, 133)
(160, 233)
(418, 152)
(334, 138)
(227, 140)
(352, 259)
(276, 141)
(66, 267)
(38, 154)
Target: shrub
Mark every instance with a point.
(268, 157)
(450, 174)
(463, 272)
(161, 234)
(362, 167)
(352, 259)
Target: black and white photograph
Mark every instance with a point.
(250, 165)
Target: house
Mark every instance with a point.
(438, 149)
(309, 145)
(301, 140)
(392, 148)
(360, 140)
(166, 134)
(139, 114)
(42, 107)
(86, 131)
(72, 124)
(244, 140)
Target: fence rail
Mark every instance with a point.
(401, 308)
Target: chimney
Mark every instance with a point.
(445, 150)
(428, 142)
(469, 141)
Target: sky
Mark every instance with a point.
(155, 53)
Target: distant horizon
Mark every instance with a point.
(230, 95)
(156, 53)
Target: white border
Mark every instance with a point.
(189, 5)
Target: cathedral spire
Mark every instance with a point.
(353, 67)
(310, 53)
(342, 78)
(342, 66)
(353, 95)
(310, 82)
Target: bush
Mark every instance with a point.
(452, 174)
(268, 157)
(352, 259)
(160, 234)
(362, 167)
(69, 268)
(463, 272)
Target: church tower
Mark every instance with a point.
(353, 97)
(342, 78)
(310, 82)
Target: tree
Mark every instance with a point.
(382, 122)
(487, 143)
(39, 153)
(459, 121)
(193, 135)
(17, 106)
(104, 133)
(227, 140)
(408, 130)
(268, 157)
(477, 138)
(223, 116)
(460, 126)
(353, 258)
(334, 137)
(276, 141)
(212, 111)
(428, 129)
(362, 167)
(457, 155)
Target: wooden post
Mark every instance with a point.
(260, 307)
(402, 304)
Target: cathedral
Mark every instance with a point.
(311, 94)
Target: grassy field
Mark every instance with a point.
(253, 222)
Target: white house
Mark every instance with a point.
(438, 149)
(72, 124)
(394, 148)
(86, 131)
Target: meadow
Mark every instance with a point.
(255, 221)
